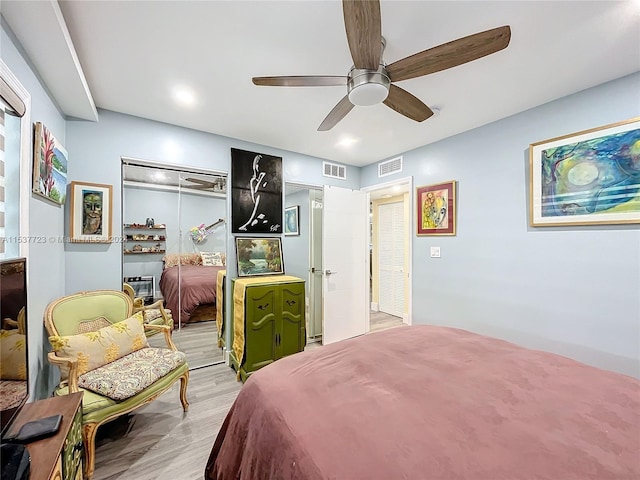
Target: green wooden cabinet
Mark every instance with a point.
(274, 323)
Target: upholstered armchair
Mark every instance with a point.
(101, 347)
(154, 314)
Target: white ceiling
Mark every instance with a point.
(134, 53)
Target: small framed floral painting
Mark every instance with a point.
(49, 166)
(436, 209)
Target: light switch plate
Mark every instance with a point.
(435, 252)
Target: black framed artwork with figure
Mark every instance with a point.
(256, 192)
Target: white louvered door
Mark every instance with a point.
(391, 258)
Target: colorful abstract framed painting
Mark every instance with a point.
(90, 213)
(259, 256)
(436, 209)
(586, 178)
(49, 166)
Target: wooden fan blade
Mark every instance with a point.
(340, 111)
(301, 81)
(450, 54)
(364, 32)
(406, 104)
(197, 180)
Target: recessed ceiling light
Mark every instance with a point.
(346, 142)
(184, 96)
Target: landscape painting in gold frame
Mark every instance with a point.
(586, 178)
(436, 209)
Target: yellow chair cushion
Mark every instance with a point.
(13, 356)
(94, 349)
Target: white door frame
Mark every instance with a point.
(391, 183)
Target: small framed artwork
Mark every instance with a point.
(586, 178)
(292, 220)
(259, 256)
(436, 209)
(90, 213)
(49, 166)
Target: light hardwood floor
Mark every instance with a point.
(383, 321)
(198, 340)
(160, 442)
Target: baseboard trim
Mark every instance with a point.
(374, 307)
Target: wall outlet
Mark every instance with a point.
(435, 252)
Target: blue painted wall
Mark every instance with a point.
(98, 148)
(46, 260)
(296, 247)
(571, 290)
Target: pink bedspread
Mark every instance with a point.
(197, 287)
(430, 403)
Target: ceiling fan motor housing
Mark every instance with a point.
(368, 87)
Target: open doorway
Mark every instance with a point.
(390, 251)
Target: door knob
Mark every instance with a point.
(329, 272)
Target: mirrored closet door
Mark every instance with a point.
(174, 232)
(302, 247)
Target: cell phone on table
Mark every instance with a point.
(37, 429)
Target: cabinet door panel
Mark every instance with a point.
(260, 327)
(292, 329)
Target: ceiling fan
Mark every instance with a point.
(371, 81)
(216, 185)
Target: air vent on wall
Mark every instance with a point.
(334, 171)
(389, 167)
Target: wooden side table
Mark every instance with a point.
(60, 456)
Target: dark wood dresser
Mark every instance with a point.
(60, 456)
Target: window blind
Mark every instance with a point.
(2, 234)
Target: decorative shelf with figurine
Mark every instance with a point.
(138, 240)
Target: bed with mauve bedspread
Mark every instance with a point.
(190, 287)
(427, 402)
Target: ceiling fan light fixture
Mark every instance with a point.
(368, 87)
